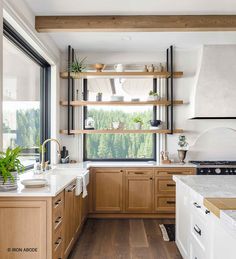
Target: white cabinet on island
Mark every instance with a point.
(200, 234)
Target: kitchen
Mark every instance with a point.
(119, 119)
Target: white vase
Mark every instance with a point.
(138, 125)
(153, 98)
(9, 185)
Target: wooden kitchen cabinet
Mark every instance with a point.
(48, 225)
(165, 187)
(139, 191)
(107, 190)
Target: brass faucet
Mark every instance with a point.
(43, 163)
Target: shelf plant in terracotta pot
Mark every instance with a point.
(10, 167)
(183, 148)
(138, 122)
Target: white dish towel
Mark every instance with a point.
(85, 179)
(81, 184)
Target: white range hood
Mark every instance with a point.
(215, 90)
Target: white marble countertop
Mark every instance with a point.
(89, 164)
(57, 179)
(213, 186)
(63, 174)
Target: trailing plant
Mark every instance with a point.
(182, 142)
(9, 162)
(138, 120)
(152, 93)
(78, 65)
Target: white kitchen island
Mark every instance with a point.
(200, 234)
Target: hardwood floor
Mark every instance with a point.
(124, 239)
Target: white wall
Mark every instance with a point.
(21, 18)
(185, 60)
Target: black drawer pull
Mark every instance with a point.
(170, 202)
(71, 189)
(196, 205)
(58, 220)
(138, 172)
(57, 203)
(197, 230)
(170, 185)
(58, 242)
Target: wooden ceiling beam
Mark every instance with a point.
(135, 23)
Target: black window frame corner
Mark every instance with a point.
(45, 80)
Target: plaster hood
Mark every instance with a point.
(214, 94)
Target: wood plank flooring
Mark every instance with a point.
(124, 239)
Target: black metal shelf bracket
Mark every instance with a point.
(170, 90)
(70, 92)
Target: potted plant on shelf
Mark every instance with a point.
(99, 97)
(153, 96)
(78, 65)
(138, 122)
(183, 148)
(10, 167)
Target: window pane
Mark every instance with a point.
(119, 146)
(21, 102)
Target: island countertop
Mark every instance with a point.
(216, 187)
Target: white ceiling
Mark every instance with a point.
(149, 41)
(119, 7)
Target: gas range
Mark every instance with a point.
(215, 167)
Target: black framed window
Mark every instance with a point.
(119, 147)
(26, 96)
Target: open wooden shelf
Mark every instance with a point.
(125, 131)
(130, 103)
(164, 74)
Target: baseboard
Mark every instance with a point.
(131, 216)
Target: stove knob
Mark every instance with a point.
(209, 171)
(226, 171)
(217, 170)
(234, 171)
(231, 171)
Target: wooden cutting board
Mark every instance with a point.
(215, 205)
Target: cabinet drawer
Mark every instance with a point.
(58, 215)
(58, 201)
(198, 225)
(58, 240)
(196, 252)
(173, 171)
(139, 172)
(164, 185)
(165, 204)
(58, 254)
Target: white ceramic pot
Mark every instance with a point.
(153, 98)
(138, 125)
(9, 185)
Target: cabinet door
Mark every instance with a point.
(139, 196)
(23, 224)
(84, 209)
(77, 212)
(107, 190)
(69, 217)
(183, 210)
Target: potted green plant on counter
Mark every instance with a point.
(138, 122)
(10, 167)
(183, 148)
(153, 96)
